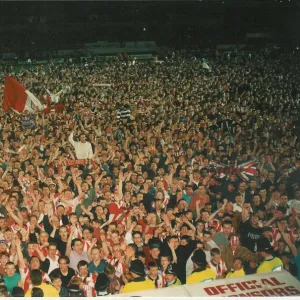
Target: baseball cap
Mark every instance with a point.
(154, 245)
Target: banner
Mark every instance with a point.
(75, 162)
(276, 284)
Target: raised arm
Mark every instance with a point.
(287, 240)
(245, 214)
(20, 254)
(68, 248)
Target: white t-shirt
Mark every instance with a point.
(82, 150)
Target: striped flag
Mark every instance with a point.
(246, 170)
(18, 98)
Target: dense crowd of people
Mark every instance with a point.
(135, 177)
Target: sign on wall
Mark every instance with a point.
(276, 284)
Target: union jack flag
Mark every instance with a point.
(245, 170)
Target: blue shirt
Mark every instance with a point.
(187, 198)
(11, 282)
(98, 269)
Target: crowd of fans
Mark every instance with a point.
(135, 185)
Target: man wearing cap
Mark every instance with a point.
(139, 283)
(153, 255)
(171, 276)
(270, 263)
(201, 273)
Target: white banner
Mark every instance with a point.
(276, 284)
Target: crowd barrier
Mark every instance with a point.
(275, 284)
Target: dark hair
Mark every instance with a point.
(240, 259)
(74, 241)
(152, 264)
(227, 222)
(66, 258)
(37, 292)
(55, 275)
(75, 291)
(17, 292)
(136, 232)
(82, 263)
(36, 277)
(215, 251)
(133, 246)
(52, 244)
(3, 291)
(141, 254)
(109, 269)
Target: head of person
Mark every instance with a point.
(254, 220)
(130, 250)
(206, 236)
(36, 277)
(82, 138)
(137, 238)
(37, 292)
(63, 263)
(170, 274)
(34, 263)
(110, 270)
(155, 250)
(10, 269)
(56, 280)
(63, 233)
(242, 187)
(77, 246)
(4, 258)
(82, 267)
(286, 258)
(264, 247)
(165, 261)
(227, 227)
(137, 268)
(3, 291)
(234, 241)
(153, 269)
(102, 283)
(17, 292)
(52, 249)
(238, 264)
(215, 255)
(199, 259)
(74, 290)
(95, 254)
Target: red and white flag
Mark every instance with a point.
(18, 98)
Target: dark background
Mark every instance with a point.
(37, 26)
